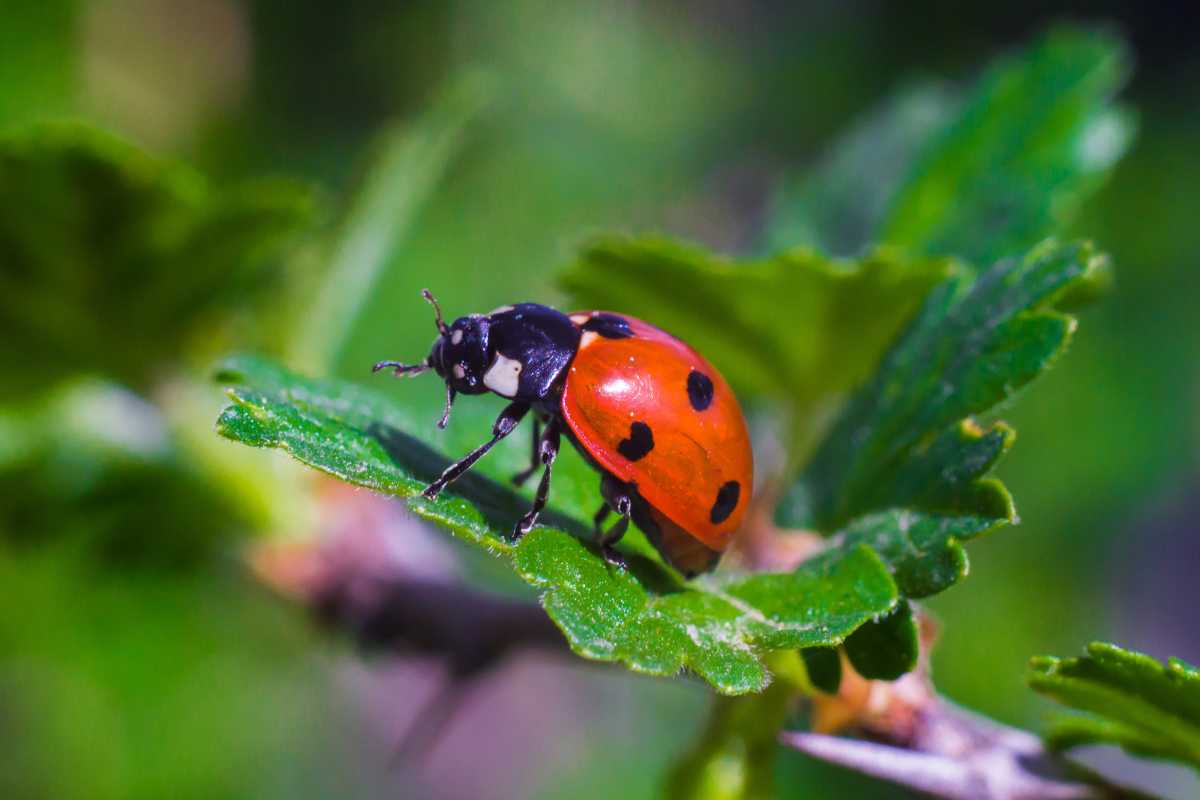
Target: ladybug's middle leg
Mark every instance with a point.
(547, 452)
(505, 424)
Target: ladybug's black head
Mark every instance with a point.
(459, 355)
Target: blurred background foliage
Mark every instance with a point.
(136, 657)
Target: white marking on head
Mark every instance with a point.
(579, 319)
(587, 338)
(503, 376)
(500, 310)
(459, 372)
(456, 337)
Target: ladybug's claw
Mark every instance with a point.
(613, 557)
(524, 525)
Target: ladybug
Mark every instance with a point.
(661, 426)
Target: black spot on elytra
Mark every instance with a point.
(727, 500)
(639, 443)
(700, 390)
(610, 326)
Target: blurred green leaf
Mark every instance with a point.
(906, 439)
(734, 756)
(644, 617)
(150, 684)
(1146, 707)
(41, 64)
(94, 464)
(113, 261)
(408, 162)
(1035, 136)
(886, 648)
(797, 326)
(978, 173)
(824, 668)
(839, 206)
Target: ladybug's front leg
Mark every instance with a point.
(505, 424)
(547, 452)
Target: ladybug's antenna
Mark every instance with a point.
(449, 402)
(413, 370)
(410, 370)
(437, 310)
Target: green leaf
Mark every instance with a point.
(906, 439)
(1034, 137)
(923, 550)
(113, 261)
(660, 629)
(797, 326)
(645, 617)
(886, 648)
(1133, 700)
(903, 468)
(839, 207)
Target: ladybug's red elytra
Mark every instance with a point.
(661, 426)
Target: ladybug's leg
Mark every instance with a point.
(547, 452)
(508, 420)
(610, 539)
(535, 460)
(598, 520)
(616, 497)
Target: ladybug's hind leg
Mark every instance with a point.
(598, 520)
(547, 451)
(616, 498)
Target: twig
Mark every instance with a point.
(958, 755)
(470, 629)
(355, 579)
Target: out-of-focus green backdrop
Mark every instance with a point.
(137, 659)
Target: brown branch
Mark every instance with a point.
(470, 629)
(958, 755)
(918, 739)
(370, 571)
